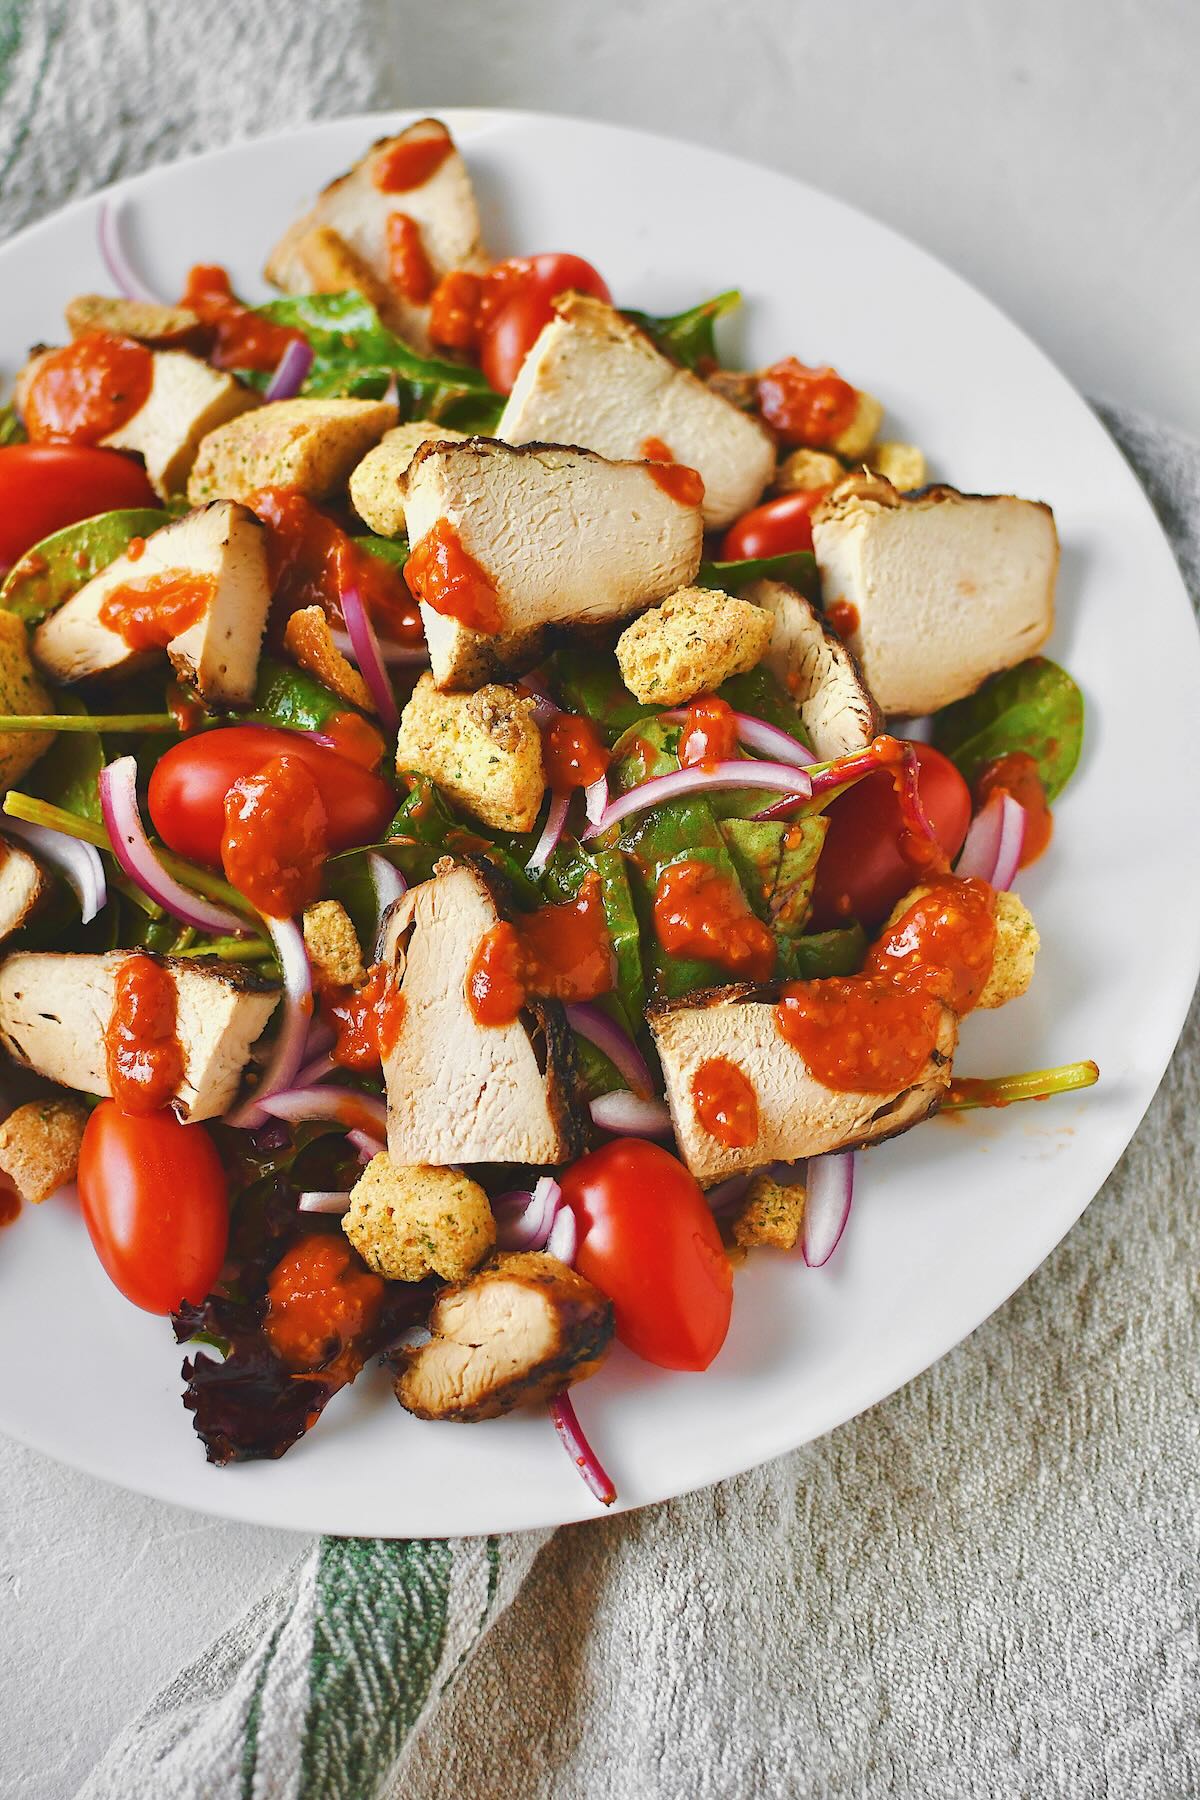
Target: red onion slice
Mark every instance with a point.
(315, 1200)
(388, 883)
(78, 863)
(362, 1112)
(552, 831)
(624, 1115)
(114, 258)
(566, 1423)
(369, 657)
(291, 371)
(394, 655)
(367, 1145)
(524, 1220)
(595, 800)
(315, 1071)
(728, 1194)
(795, 783)
(563, 1240)
(756, 734)
(827, 1205)
(594, 1024)
(291, 1040)
(993, 845)
(138, 858)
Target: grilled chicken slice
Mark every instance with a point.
(55, 1009)
(798, 1115)
(592, 378)
(23, 887)
(947, 588)
(347, 230)
(822, 676)
(187, 400)
(515, 1333)
(562, 536)
(224, 545)
(458, 1091)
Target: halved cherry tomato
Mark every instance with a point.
(649, 1241)
(773, 529)
(44, 487)
(189, 784)
(509, 335)
(156, 1206)
(862, 873)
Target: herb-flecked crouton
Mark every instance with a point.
(484, 749)
(307, 445)
(410, 1222)
(21, 691)
(901, 464)
(308, 640)
(39, 1146)
(376, 484)
(770, 1213)
(803, 471)
(856, 439)
(145, 320)
(332, 945)
(1017, 944)
(690, 644)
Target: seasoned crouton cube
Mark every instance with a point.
(803, 471)
(901, 464)
(187, 401)
(484, 749)
(690, 644)
(770, 1213)
(308, 639)
(1015, 951)
(307, 445)
(332, 945)
(20, 692)
(854, 442)
(160, 326)
(39, 1146)
(376, 484)
(410, 1222)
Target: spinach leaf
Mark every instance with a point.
(348, 880)
(53, 570)
(798, 568)
(564, 877)
(286, 695)
(68, 774)
(777, 863)
(1035, 707)
(759, 693)
(388, 550)
(678, 830)
(11, 429)
(588, 681)
(688, 336)
(643, 753)
(822, 953)
(354, 353)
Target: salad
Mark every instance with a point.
(499, 808)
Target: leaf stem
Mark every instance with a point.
(93, 722)
(1035, 1084)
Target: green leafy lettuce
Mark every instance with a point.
(688, 336)
(48, 575)
(1035, 707)
(798, 568)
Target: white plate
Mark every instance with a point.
(953, 1217)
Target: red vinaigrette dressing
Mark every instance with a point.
(410, 163)
(699, 911)
(87, 390)
(320, 1300)
(148, 613)
(142, 1053)
(368, 1020)
(1017, 773)
(275, 842)
(244, 339)
(573, 752)
(443, 574)
(409, 267)
(310, 560)
(725, 1102)
(709, 734)
(677, 479)
(556, 953)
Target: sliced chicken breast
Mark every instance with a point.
(820, 673)
(187, 400)
(798, 1115)
(458, 1091)
(225, 546)
(594, 379)
(55, 1010)
(561, 536)
(946, 588)
(23, 887)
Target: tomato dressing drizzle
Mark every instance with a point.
(408, 265)
(311, 560)
(275, 840)
(805, 405)
(142, 1053)
(87, 390)
(410, 163)
(699, 911)
(677, 479)
(148, 613)
(368, 1020)
(243, 338)
(725, 1102)
(447, 578)
(573, 752)
(320, 1300)
(558, 952)
(709, 734)
(1017, 774)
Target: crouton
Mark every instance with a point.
(186, 402)
(901, 464)
(21, 691)
(375, 485)
(1016, 948)
(803, 471)
(308, 640)
(163, 327)
(332, 944)
(858, 436)
(39, 1146)
(484, 749)
(307, 445)
(410, 1222)
(769, 1213)
(690, 644)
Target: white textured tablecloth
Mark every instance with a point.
(987, 1586)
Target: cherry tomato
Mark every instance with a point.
(189, 784)
(862, 874)
(44, 487)
(774, 529)
(649, 1241)
(509, 336)
(155, 1204)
